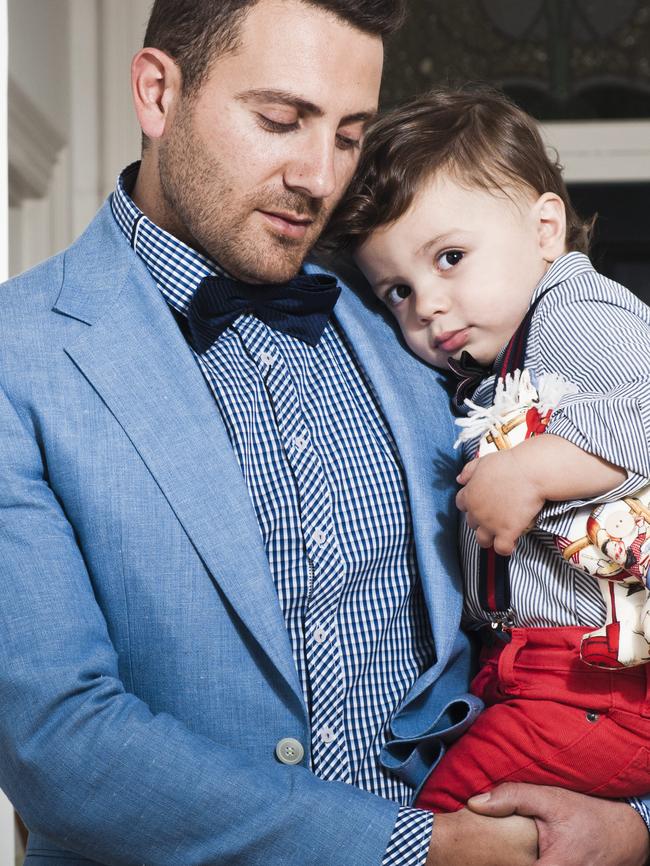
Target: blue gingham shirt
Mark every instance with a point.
(325, 479)
(595, 333)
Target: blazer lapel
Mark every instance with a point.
(138, 362)
(417, 410)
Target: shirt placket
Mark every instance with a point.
(324, 685)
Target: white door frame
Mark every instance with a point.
(7, 831)
(4, 171)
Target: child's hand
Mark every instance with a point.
(500, 499)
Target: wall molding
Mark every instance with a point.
(34, 147)
(601, 150)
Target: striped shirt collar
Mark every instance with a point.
(568, 265)
(176, 267)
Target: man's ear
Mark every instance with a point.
(551, 225)
(156, 87)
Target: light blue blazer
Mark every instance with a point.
(146, 673)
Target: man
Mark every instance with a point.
(225, 533)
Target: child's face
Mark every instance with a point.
(459, 267)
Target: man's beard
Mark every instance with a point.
(198, 193)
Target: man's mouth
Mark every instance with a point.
(288, 224)
(451, 341)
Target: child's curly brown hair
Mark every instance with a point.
(475, 133)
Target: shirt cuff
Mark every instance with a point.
(613, 426)
(557, 517)
(409, 844)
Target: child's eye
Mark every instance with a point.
(396, 294)
(449, 259)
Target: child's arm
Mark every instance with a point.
(504, 492)
(598, 337)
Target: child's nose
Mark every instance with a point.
(430, 304)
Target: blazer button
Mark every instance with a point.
(289, 751)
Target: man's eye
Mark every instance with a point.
(396, 294)
(276, 125)
(344, 142)
(449, 259)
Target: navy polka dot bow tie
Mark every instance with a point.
(300, 307)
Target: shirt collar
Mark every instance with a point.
(176, 267)
(568, 265)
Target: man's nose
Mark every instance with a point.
(313, 168)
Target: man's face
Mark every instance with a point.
(253, 164)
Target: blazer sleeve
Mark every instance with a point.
(89, 766)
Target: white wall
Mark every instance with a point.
(122, 25)
(38, 56)
(4, 192)
(598, 150)
(7, 847)
(71, 122)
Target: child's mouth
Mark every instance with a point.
(451, 341)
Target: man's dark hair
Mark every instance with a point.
(475, 133)
(194, 32)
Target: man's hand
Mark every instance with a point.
(500, 498)
(466, 839)
(574, 829)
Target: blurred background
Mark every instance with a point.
(581, 67)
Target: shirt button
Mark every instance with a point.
(266, 358)
(327, 735)
(289, 751)
(300, 442)
(319, 537)
(320, 635)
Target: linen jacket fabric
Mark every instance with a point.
(146, 673)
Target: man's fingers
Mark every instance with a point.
(513, 798)
(574, 829)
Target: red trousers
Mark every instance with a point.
(550, 719)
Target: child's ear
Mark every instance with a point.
(551, 226)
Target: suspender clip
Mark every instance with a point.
(502, 622)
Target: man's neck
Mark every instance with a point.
(147, 196)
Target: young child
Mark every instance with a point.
(464, 229)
